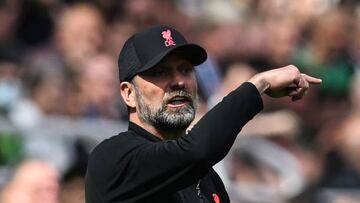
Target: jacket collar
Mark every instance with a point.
(142, 132)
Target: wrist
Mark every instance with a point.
(260, 83)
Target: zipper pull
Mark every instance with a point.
(198, 189)
(199, 192)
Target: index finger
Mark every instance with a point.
(311, 80)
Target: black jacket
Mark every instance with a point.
(136, 166)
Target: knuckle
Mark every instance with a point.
(294, 70)
(292, 66)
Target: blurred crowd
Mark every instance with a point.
(59, 92)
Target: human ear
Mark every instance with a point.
(128, 94)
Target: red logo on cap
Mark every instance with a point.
(216, 198)
(169, 41)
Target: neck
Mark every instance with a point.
(162, 134)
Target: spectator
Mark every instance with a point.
(97, 93)
(326, 52)
(46, 88)
(79, 34)
(33, 182)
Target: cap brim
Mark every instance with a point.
(192, 52)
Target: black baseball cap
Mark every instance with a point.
(146, 49)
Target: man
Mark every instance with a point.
(156, 160)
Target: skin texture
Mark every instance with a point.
(158, 87)
(285, 81)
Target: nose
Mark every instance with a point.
(178, 80)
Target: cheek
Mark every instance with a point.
(152, 94)
(192, 85)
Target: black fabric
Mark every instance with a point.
(136, 166)
(146, 49)
(128, 61)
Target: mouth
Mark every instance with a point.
(179, 101)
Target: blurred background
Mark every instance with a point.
(59, 92)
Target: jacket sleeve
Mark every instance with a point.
(139, 169)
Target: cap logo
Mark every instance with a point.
(169, 41)
(216, 198)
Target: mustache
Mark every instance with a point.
(178, 93)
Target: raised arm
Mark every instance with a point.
(140, 169)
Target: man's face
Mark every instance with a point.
(166, 95)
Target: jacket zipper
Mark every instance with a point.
(199, 192)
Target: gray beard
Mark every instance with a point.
(166, 119)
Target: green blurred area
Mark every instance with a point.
(11, 148)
